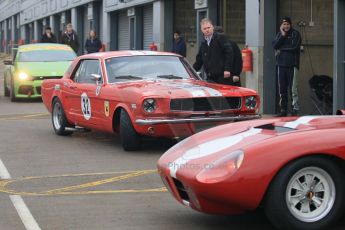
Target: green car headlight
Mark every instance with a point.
(251, 102)
(149, 105)
(24, 76)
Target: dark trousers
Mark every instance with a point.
(285, 80)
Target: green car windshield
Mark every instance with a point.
(46, 56)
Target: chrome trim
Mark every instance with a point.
(196, 119)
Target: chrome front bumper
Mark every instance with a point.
(196, 119)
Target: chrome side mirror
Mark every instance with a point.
(96, 78)
(201, 75)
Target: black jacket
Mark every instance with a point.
(179, 47)
(215, 58)
(45, 38)
(237, 63)
(287, 48)
(93, 45)
(71, 40)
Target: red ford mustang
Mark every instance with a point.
(141, 93)
(292, 167)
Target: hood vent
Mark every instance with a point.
(278, 129)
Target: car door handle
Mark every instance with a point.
(72, 87)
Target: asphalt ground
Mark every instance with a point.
(86, 181)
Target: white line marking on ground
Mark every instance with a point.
(17, 201)
(4, 174)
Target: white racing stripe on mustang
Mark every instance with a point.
(209, 148)
(195, 90)
(304, 121)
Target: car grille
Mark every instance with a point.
(25, 89)
(46, 77)
(181, 190)
(206, 104)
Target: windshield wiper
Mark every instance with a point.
(127, 77)
(169, 76)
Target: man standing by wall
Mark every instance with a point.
(69, 37)
(215, 55)
(179, 45)
(287, 45)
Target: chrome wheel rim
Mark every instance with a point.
(57, 116)
(310, 194)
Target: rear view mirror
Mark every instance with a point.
(8, 62)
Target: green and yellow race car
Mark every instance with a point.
(32, 64)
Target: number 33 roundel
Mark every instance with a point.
(86, 106)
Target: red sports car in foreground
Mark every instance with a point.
(142, 93)
(292, 167)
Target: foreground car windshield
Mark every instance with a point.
(46, 56)
(120, 69)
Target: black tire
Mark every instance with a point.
(283, 189)
(59, 119)
(6, 90)
(12, 94)
(130, 139)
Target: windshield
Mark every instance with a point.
(134, 68)
(46, 56)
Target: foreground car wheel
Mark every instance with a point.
(306, 194)
(59, 119)
(6, 90)
(130, 139)
(12, 94)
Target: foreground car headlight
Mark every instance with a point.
(221, 168)
(149, 105)
(251, 102)
(23, 76)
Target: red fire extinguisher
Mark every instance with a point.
(153, 46)
(247, 57)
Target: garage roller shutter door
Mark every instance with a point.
(148, 26)
(123, 31)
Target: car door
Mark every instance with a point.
(83, 93)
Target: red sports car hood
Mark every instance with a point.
(198, 151)
(186, 88)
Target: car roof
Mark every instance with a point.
(43, 46)
(124, 53)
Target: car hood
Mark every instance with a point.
(212, 144)
(184, 88)
(43, 68)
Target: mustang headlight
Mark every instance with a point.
(23, 76)
(149, 105)
(251, 102)
(221, 168)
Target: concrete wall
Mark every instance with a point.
(185, 22)
(234, 20)
(231, 16)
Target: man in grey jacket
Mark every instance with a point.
(287, 45)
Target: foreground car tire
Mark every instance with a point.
(59, 119)
(130, 139)
(6, 90)
(12, 93)
(306, 194)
